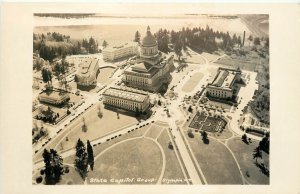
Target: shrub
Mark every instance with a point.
(39, 179)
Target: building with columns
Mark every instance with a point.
(152, 68)
(126, 98)
(224, 85)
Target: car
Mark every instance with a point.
(77, 93)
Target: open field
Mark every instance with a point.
(104, 74)
(243, 154)
(154, 131)
(192, 82)
(97, 127)
(216, 162)
(173, 170)
(133, 159)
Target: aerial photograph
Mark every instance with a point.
(139, 99)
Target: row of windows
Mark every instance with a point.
(122, 103)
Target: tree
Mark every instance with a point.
(81, 159)
(92, 46)
(104, 44)
(244, 138)
(257, 154)
(204, 137)
(190, 109)
(137, 37)
(159, 102)
(84, 126)
(250, 38)
(256, 41)
(53, 166)
(47, 76)
(264, 144)
(90, 154)
(178, 49)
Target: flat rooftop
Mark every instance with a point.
(113, 48)
(225, 78)
(127, 94)
(87, 66)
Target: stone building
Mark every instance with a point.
(112, 53)
(152, 68)
(86, 74)
(224, 85)
(126, 98)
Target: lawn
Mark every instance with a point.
(137, 158)
(210, 57)
(97, 127)
(104, 74)
(243, 154)
(215, 161)
(192, 82)
(154, 131)
(173, 170)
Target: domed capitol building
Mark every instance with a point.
(152, 68)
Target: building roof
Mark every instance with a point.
(53, 95)
(120, 46)
(224, 78)
(87, 67)
(149, 40)
(143, 66)
(126, 93)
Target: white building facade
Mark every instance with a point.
(126, 98)
(112, 53)
(86, 74)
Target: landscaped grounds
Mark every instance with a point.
(207, 123)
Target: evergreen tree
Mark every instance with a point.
(81, 159)
(104, 44)
(264, 144)
(244, 138)
(90, 154)
(256, 41)
(53, 166)
(178, 49)
(137, 37)
(257, 154)
(250, 38)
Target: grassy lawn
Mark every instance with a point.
(192, 82)
(215, 160)
(173, 170)
(104, 74)
(97, 127)
(154, 131)
(138, 158)
(243, 154)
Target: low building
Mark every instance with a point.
(224, 84)
(112, 53)
(126, 98)
(86, 74)
(53, 97)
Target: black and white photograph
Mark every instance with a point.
(143, 99)
(149, 97)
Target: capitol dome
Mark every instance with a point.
(149, 40)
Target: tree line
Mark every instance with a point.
(53, 45)
(199, 39)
